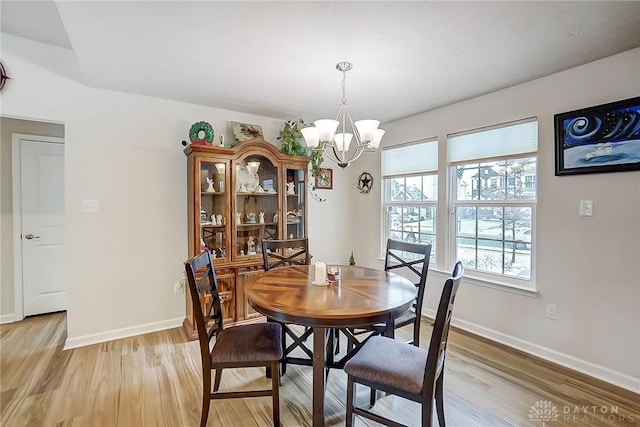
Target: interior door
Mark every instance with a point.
(43, 227)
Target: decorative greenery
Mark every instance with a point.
(292, 143)
(312, 188)
(291, 138)
(352, 260)
(316, 161)
(205, 128)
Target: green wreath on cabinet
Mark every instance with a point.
(201, 127)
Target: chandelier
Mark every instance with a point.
(337, 146)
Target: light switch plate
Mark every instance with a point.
(90, 206)
(586, 207)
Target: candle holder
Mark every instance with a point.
(334, 274)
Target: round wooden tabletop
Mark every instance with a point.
(363, 297)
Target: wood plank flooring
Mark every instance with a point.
(154, 380)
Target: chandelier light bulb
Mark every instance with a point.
(367, 129)
(311, 136)
(326, 129)
(343, 140)
(377, 137)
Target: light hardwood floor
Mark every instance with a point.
(154, 380)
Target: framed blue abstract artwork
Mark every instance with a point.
(604, 138)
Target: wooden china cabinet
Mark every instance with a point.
(236, 198)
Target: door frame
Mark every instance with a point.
(18, 305)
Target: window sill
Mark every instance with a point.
(528, 291)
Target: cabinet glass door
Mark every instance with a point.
(213, 208)
(256, 206)
(296, 190)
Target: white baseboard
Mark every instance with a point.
(7, 318)
(605, 374)
(122, 333)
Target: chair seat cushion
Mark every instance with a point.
(248, 343)
(387, 362)
(405, 319)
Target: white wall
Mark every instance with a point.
(331, 223)
(588, 266)
(123, 150)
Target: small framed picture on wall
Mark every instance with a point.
(324, 178)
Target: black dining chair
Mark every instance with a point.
(412, 258)
(415, 259)
(254, 345)
(405, 370)
(282, 253)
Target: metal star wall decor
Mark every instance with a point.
(365, 182)
(3, 76)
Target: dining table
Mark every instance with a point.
(361, 297)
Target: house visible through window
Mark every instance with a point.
(493, 174)
(410, 183)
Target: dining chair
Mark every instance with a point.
(282, 253)
(254, 345)
(414, 258)
(405, 370)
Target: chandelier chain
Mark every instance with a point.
(344, 85)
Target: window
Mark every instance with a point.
(529, 181)
(410, 183)
(493, 173)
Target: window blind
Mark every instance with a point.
(497, 141)
(415, 158)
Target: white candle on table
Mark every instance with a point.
(321, 272)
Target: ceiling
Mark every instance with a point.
(278, 59)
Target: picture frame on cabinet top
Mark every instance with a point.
(245, 131)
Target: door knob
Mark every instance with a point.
(31, 236)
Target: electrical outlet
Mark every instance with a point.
(178, 287)
(551, 311)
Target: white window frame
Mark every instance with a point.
(431, 203)
(509, 282)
